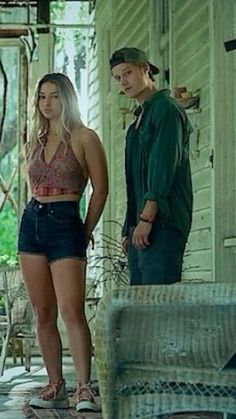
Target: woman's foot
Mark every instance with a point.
(53, 396)
(85, 398)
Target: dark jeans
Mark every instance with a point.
(52, 229)
(161, 262)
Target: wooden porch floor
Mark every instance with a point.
(17, 386)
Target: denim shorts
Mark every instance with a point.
(53, 229)
(159, 263)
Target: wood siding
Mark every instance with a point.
(116, 26)
(94, 122)
(191, 68)
(223, 92)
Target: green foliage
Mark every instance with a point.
(70, 13)
(8, 163)
(2, 305)
(10, 61)
(8, 234)
(57, 9)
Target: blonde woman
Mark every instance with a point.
(62, 155)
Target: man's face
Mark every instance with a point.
(132, 79)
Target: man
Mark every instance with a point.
(158, 179)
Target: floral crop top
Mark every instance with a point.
(62, 175)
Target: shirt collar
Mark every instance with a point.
(139, 110)
(155, 96)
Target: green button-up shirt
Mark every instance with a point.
(157, 163)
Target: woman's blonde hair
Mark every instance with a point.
(70, 115)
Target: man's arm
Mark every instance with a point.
(163, 161)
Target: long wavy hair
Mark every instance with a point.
(70, 115)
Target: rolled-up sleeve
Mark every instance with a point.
(165, 155)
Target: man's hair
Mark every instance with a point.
(132, 55)
(142, 64)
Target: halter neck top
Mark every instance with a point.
(62, 175)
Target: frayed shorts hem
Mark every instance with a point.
(22, 252)
(83, 259)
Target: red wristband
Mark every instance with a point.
(146, 220)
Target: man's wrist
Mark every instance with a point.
(146, 219)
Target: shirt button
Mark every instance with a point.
(40, 206)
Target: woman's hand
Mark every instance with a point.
(125, 244)
(90, 239)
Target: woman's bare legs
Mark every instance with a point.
(62, 282)
(38, 280)
(69, 284)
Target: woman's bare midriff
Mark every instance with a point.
(56, 198)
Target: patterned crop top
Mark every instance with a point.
(62, 175)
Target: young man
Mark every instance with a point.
(158, 179)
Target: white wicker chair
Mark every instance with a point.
(164, 349)
(17, 325)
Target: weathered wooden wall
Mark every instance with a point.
(186, 39)
(191, 68)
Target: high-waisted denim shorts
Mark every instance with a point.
(52, 229)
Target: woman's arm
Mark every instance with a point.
(96, 166)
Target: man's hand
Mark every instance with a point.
(141, 234)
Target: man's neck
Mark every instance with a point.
(146, 93)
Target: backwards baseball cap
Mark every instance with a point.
(129, 55)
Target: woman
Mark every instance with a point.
(62, 155)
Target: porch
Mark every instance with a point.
(19, 382)
(17, 386)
